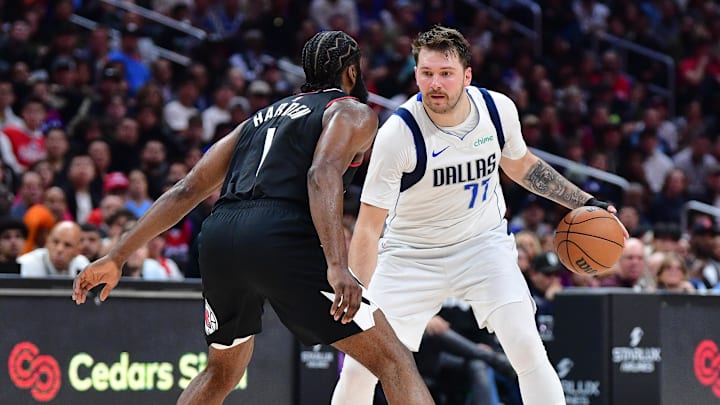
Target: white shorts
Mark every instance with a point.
(410, 284)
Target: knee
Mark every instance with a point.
(224, 378)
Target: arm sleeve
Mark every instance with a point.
(515, 146)
(393, 154)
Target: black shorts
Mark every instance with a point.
(252, 251)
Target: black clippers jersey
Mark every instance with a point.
(276, 148)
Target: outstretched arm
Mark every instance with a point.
(540, 178)
(172, 206)
(349, 129)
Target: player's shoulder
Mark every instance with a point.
(498, 97)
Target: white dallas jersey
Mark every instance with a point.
(449, 191)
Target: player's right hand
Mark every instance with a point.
(103, 270)
(348, 294)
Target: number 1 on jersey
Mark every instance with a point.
(268, 142)
(474, 188)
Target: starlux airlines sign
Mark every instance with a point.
(42, 375)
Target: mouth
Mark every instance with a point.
(436, 96)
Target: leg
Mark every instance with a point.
(514, 324)
(224, 370)
(380, 351)
(356, 385)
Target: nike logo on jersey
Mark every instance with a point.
(436, 154)
(364, 316)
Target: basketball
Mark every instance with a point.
(589, 240)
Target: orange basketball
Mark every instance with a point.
(589, 240)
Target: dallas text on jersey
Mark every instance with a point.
(461, 173)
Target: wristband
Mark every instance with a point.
(594, 202)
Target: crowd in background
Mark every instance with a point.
(95, 125)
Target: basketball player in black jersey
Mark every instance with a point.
(276, 233)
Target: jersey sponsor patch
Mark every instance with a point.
(211, 323)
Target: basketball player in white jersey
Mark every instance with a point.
(431, 224)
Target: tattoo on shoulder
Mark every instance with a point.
(543, 180)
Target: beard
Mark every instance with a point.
(360, 91)
(449, 106)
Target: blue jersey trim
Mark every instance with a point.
(409, 179)
(494, 115)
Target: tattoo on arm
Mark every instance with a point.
(543, 180)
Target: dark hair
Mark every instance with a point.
(445, 40)
(325, 57)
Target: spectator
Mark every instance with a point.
(91, 241)
(13, 233)
(672, 275)
(630, 268)
(7, 98)
(177, 113)
(136, 72)
(109, 205)
(60, 256)
(57, 146)
(30, 193)
(125, 146)
(99, 152)
(697, 162)
(116, 183)
(140, 266)
(217, 113)
(704, 269)
(545, 282)
(156, 251)
(138, 200)
(668, 205)
(259, 93)
(656, 164)
(82, 190)
(23, 145)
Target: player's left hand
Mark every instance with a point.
(103, 270)
(594, 202)
(348, 294)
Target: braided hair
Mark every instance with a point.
(324, 58)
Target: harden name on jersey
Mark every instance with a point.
(292, 110)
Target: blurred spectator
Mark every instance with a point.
(672, 275)
(12, 240)
(666, 237)
(323, 11)
(99, 152)
(60, 256)
(668, 205)
(57, 146)
(217, 113)
(696, 161)
(138, 200)
(125, 146)
(223, 18)
(176, 113)
(109, 205)
(259, 94)
(591, 15)
(704, 268)
(82, 191)
(656, 164)
(545, 282)
(156, 251)
(630, 268)
(7, 98)
(153, 162)
(23, 145)
(117, 223)
(54, 200)
(136, 72)
(252, 57)
(29, 194)
(91, 241)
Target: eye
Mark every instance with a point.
(446, 74)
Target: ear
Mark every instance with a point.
(468, 75)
